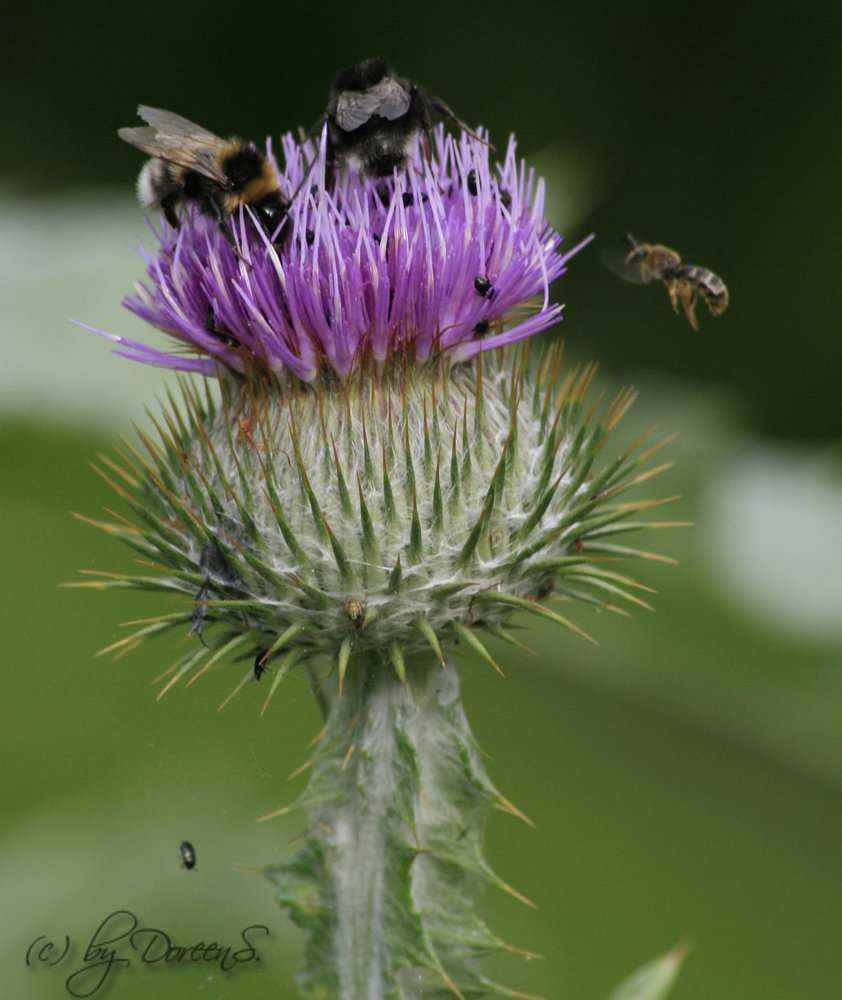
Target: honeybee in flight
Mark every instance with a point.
(685, 282)
(190, 164)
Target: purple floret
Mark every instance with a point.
(437, 260)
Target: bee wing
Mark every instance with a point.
(169, 123)
(393, 98)
(389, 99)
(177, 140)
(616, 260)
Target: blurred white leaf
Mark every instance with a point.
(774, 525)
(654, 980)
(72, 257)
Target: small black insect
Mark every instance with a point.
(481, 328)
(188, 855)
(219, 331)
(472, 182)
(260, 666)
(482, 285)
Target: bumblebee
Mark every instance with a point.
(374, 118)
(685, 282)
(192, 165)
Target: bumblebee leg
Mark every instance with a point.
(331, 162)
(168, 207)
(428, 146)
(214, 210)
(439, 108)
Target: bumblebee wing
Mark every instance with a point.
(355, 107)
(142, 138)
(177, 140)
(393, 98)
(169, 123)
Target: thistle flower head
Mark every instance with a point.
(375, 481)
(436, 261)
(374, 473)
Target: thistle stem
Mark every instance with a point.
(388, 873)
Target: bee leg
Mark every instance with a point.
(214, 210)
(443, 111)
(688, 300)
(687, 292)
(168, 207)
(428, 152)
(438, 107)
(281, 237)
(428, 146)
(330, 170)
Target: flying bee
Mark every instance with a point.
(685, 282)
(192, 165)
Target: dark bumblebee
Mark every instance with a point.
(685, 282)
(374, 118)
(188, 855)
(190, 164)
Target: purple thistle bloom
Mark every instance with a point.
(437, 260)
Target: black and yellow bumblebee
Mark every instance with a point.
(191, 165)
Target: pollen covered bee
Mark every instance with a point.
(374, 118)
(191, 165)
(685, 282)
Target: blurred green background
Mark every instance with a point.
(685, 776)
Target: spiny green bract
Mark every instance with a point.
(385, 516)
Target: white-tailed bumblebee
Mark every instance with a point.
(685, 282)
(190, 164)
(374, 118)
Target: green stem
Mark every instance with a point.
(387, 878)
